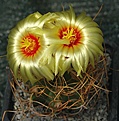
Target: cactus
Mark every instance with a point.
(60, 56)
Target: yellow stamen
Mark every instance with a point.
(69, 34)
(30, 45)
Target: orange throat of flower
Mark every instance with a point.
(73, 35)
(30, 45)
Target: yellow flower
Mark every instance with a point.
(74, 41)
(25, 47)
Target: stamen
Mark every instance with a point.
(71, 34)
(30, 45)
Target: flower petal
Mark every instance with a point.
(65, 65)
(57, 59)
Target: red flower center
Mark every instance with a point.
(71, 34)
(30, 45)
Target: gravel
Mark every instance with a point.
(98, 113)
